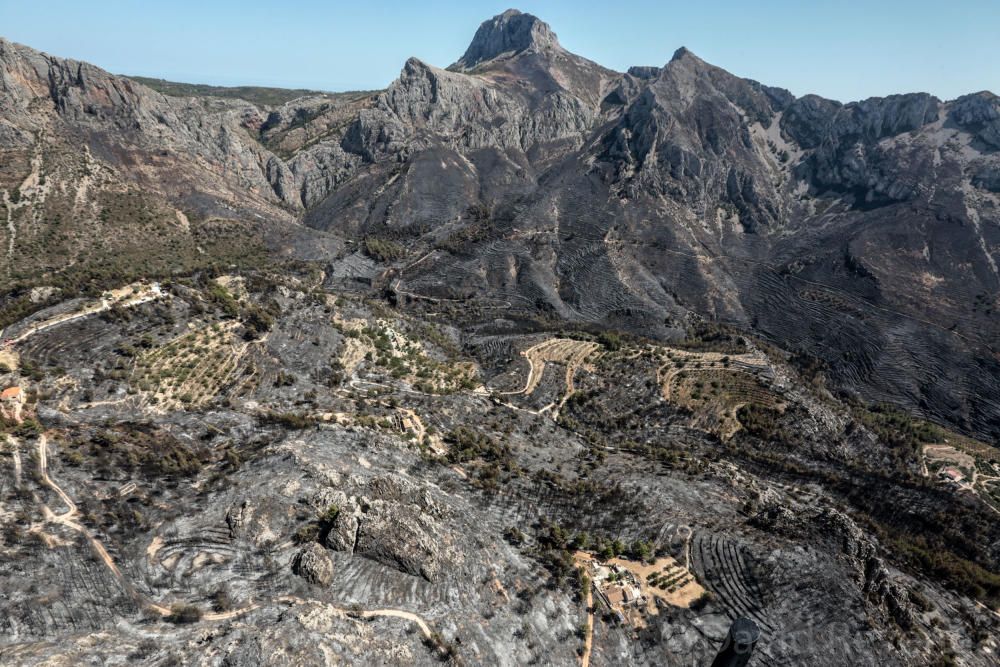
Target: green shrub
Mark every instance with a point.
(382, 249)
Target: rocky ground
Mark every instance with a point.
(368, 484)
(355, 378)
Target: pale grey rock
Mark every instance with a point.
(401, 537)
(509, 33)
(252, 521)
(313, 564)
(344, 531)
(644, 72)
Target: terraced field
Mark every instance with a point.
(549, 388)
(715, 386)
(572, 353)
(192, 369)
(123, 297)
(386, 348)
(182, 556)
(722, 565)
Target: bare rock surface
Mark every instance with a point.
(353, 378)
(314, 565)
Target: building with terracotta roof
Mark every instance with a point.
(12, 399)
(953, 474)
(13, 395)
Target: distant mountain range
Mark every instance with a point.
(863, 235)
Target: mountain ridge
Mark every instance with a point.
(446, 371)
(731, 168)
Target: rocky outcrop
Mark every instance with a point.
(404, 539)
(644, 72)
(871, 569)
(183, 148)
(872, 574)
(980, 114)
(846, 153)
(427, 106)
(313, 564)
(987, 176)
(686, 136)
(343, 531)
(252, 521)
(392, 523)
(508, 34)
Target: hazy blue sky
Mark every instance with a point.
(847, 49)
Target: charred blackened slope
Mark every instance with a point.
(688, 136)
(476, 135)
(860, 233)
(531, 177)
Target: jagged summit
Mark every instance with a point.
(774, 264)
(644, 71)
(508, 33)
(680, 53)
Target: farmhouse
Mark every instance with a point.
(622, 595)
(12, 395)
(12, 399)
(952, 474)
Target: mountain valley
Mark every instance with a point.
(519, 361)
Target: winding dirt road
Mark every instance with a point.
(119, 298)
(399, 613)
(573, 353)
(68, 519)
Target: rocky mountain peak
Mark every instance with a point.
(682, 53)
(684, 58)
(509, 33)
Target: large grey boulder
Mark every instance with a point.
(314, 565)
(394, 523)
(403, 538)
(343, 532)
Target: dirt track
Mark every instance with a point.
(588, 641)
(573, 353)
(557, 350)
(68, 519)
(119, 297)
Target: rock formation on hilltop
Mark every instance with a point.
(626, 200)
(395, 377)
(507, 34)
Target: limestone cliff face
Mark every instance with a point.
(428, 106)
(630, 200)
(172, 145)
(882, 590)
(980, 114)
(507, 34)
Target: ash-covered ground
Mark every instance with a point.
(256, 470)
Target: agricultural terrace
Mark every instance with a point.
(571, 353)
(191, 369)
(122, 297)
(714, 386)
(383, 346)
